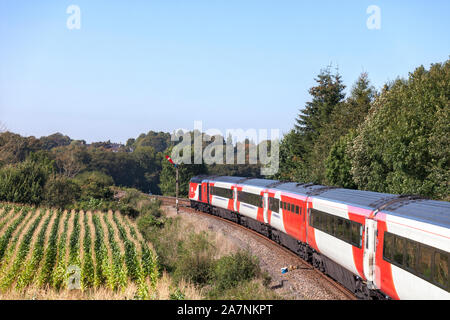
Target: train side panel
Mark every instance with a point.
(409, 273)
(333, 247)
(276, 216)
(219, 201)
(250, 210)
(194, 191)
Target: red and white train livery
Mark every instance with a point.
(378, 245)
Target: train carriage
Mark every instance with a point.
(377, 245)
(413, 240)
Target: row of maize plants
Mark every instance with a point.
(26, 277)
(38, 247)
(24, 247)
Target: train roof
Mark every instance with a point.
(200, 178)
(428, 211)
(300, 188)
(424, 210)
(409, 207)
(358, 198)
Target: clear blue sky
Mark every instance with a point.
(136, 66)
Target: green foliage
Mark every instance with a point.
(327, 96)
(404, 145)
(4, 240)
(131, 258)
(195, 259)
(185, 173)
(338, 164)
(15, 148)
(30, 268)
(50, 254)
(396, 141)
(177, 294)
(47, 265)
(60, 191)
(101, 253)
(148, 221)
(117, 277)
(230, 270)
(74, 244)
(58, 275)
(94, 184)
(87, 270)
(24, 182)
(8, 276)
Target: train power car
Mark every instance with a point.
(378, 245)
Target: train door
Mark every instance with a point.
(302, 227)
(266, 206)
(370, 240)
(205, 192)
(235, 190)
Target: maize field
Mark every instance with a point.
(67, 250)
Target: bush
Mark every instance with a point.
(232, 269)
(60, 191)
(24, 182)
(195, 260)
(95, 185)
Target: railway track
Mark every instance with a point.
(185, 205)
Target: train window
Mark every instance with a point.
(440, 274)
(388, 246)
(221, 192)
(296, 209)
(425, 259)
(340, 228)
(274, 204)
(250, 198)
(410, 254)
(356, 237)
(329, 225)
(347, 230)
(399, 248)
(288, 206)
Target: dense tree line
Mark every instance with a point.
(395, 141)
(58, 171)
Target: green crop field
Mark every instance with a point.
(82, 252)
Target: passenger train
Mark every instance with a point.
(378, 245)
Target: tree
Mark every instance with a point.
(69, 159)
(338, 164)
(326, 96)
(95, 185)
(301, 158)
(403, 146)
(186, 172)
(15, 148)
(24, 182)
(54, 140)
(348, 116)
(60, 191)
